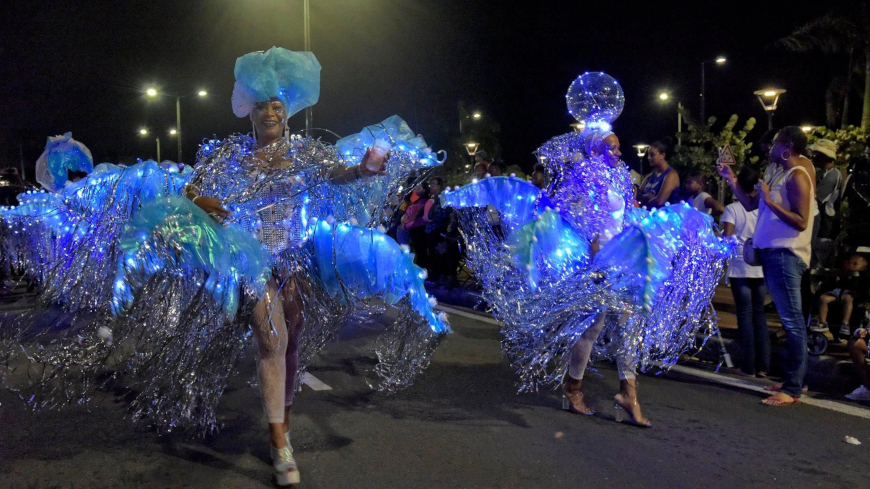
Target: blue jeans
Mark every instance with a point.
(782, 274)
(749, 294)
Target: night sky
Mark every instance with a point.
(81, 66)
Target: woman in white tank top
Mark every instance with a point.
(783, 238)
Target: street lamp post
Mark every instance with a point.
(641, 152)
(153, 93)
(720, 60)
(144, 132)
(664, 97)
(771, 95)
(475, 116)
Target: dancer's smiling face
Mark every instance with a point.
(269, 119)
(610, 150)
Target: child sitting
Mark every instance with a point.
(849, 288)
(697, 197)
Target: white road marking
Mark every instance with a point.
(477, 317)
(314, 382)
(852, 410)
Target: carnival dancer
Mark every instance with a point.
(585, 272)
(273, 231)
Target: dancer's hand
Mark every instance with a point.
(373, 163)
(212, 207)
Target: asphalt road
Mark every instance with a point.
(461, 425)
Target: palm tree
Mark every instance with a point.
(842, 30)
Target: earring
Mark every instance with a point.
(784, 157)
(286, 131)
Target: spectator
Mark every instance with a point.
(414, 223)
(539, 177)
(855, 193)
(662, 185)
(850, 288)
(824, 152)
(480, 170)
(747, 282)
(858, 353)
(782, 239)
(696, 186)
(497, 168)
(397, 230)
(443, 262)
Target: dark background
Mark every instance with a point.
(82, 67)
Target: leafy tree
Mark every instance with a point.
(700, 147)
(845, 29)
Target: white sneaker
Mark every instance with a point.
(844, 330)
(859, 394)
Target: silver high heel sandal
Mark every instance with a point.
(623, 414)
(286, 471)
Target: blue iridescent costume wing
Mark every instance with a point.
(171, 290)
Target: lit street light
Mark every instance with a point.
(641, 152)
(173, 132)
(474, 116)
(152, 92)
(720, 60)
(769, 98)
(472, 148)
(144, 132)
(664, 97)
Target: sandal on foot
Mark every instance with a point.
(573, 402)
(627, 409)
(780, 399)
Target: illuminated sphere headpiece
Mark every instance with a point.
(595, 98)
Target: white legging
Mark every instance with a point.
(581, 351)
(278, 346)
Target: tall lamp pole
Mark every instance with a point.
(153, 93)
(769, 98)
(720, 60)
(664, 97)
(641, 152)
(144, 132)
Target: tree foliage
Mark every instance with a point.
(700, 145)
(845, 29)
